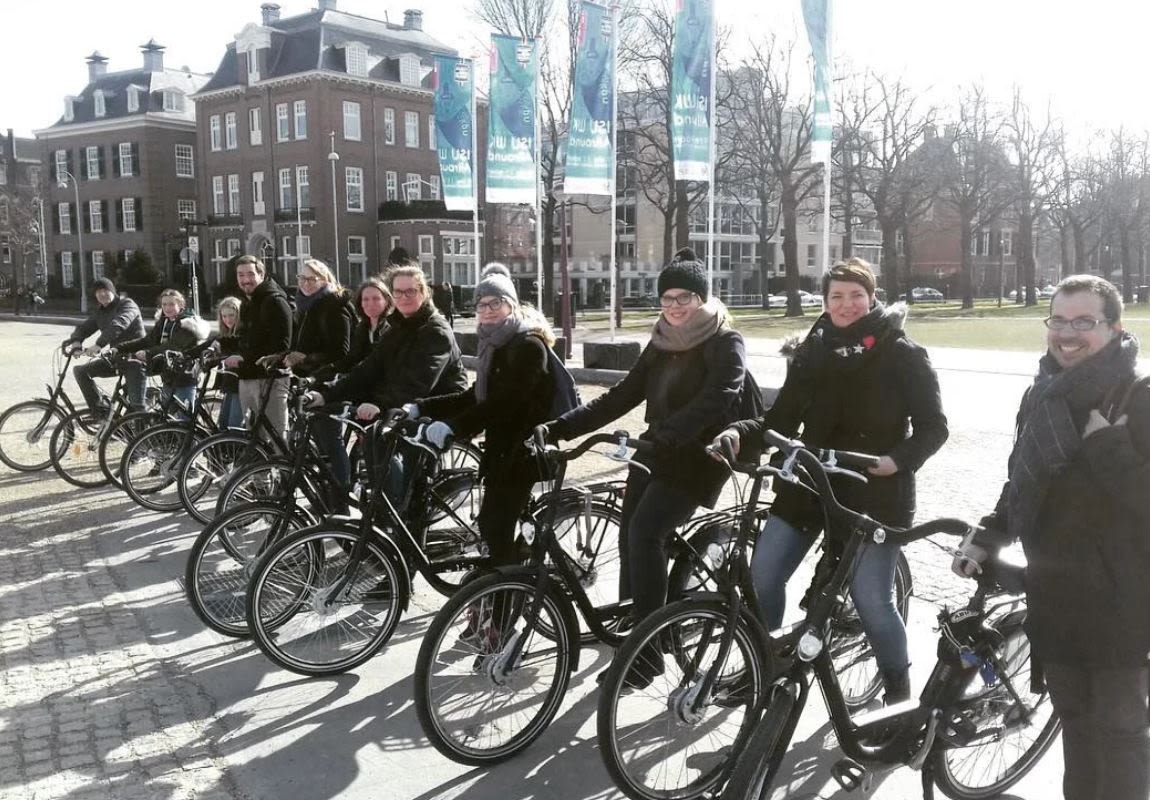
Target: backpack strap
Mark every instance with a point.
(1118, 409)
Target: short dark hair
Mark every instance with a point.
(254, 261)
(853, 270)
(1076, 284)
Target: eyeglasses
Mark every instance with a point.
(488, 305)
(307, 278)
(1081, 324)
(407, 294)
(668, 300)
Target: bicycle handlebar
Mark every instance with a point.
(621, 438)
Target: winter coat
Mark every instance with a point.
(887, 404)
(119, 321)
(691, 397)
(265, 328)
(185, 333)
(363, 339)
(322, 334)
(520, 390)
(416, 357)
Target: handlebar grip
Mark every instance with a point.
(850, 460)
(728, 449)
(775, 439)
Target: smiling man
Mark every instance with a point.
(1077, 498)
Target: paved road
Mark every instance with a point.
(111, 688)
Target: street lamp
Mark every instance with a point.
(333, 157)
(62, 178)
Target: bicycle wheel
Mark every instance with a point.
(26, 433)
(486, 687)
(588, 532)
(1005, 740)
(122, 433)
(258, 482)
(445, 537)
(760, 758)
(654, 742)
(207, 469)
(75, 448)
(220, 562)
(150, 467)
(701, 566)
(850, 649)
(460, 456)
(314, 610)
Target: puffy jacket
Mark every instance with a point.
(265, 328)
(119, 321)
(185, 333)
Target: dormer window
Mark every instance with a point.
(356, 55)
(409, 70)
(133, 99)
(69, 112)
(253, 65)
(173, 100)
(99, 108)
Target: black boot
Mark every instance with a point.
(896, 685)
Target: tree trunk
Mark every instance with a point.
(764, 241)
(1127, 264)
(1066, 252)
(682, 216)
(790, 211)
(890, 277)
(547, 231)
(908, 262)
(965, 284)
(1079, 247)
(1025, 256)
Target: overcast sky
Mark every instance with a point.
(1088, 63)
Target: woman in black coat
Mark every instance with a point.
(373, 303)
(321, 327)
(856, 383)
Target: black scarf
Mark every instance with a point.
(831, 348)
(1049, 437)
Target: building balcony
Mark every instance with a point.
(394, 210)
(225, 220)
(291, 214)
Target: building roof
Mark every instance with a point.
(316, 40)
(151, 83)
(26, 149)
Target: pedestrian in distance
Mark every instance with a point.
(445, 303)
(1076, 498)
(117, 319)
(177, 328)
(856, 382)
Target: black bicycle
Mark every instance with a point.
(26, 428)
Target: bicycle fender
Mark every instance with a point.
(386, 544)
(530, 575)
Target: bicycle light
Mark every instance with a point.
(810, 645)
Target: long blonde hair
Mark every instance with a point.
(325, 274)
(228, 304)
(534, 320)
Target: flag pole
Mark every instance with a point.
(538, 183)
(827, 165)
(614, 156)
(713, 167)
(475, 172)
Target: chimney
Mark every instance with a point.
(413, 20)
(153, 56)
(269, 13)
(327, 5)
(97, 65)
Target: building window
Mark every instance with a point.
(127, 163)
(300, 119)
(3, 174)
(99, 108)
(233, 194)
(69, 110)
(302, 187)
(218, 250)
(4, 211)
(283, 126)
(389, 126)
(233, 247)
(133, 99)
(434, 187)
(411, 128)
(61, 165)
(66, 269)
(92, 162)
(353, 181)
(186, 209)
(253, 65)
(174, 101)
(356, 248)
(426, 245)
(230, 130)
(812, 254)
(413, 186)
(97, 264)
(286, 199)
(185, 162)
(392, 190)
(214, 129)
(128, 214)
(96, 216)
(218, 195)
(255, 132)
(356, 55)
(287, 248)
(304, 246)
(409, 70)
(352, 130)
(431, 132)
(64, 210)
(258, 194)
(1007, 242)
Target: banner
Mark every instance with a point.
(816, 14)
(511, 122)
(454, 89)
(692, 62)
(590, 153)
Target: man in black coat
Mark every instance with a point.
(265, 329)
(1076, 497)
(118, 320)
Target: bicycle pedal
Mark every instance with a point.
(958, 732)
(850, 775)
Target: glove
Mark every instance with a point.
(438, 434)
(970, 557)
(411, 409)
(314, 399)
(93, 350)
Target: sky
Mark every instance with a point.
(1082, 59)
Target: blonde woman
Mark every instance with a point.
(321, 329)
(227, 343)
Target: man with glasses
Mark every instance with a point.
(265, 330)
(1079, 479)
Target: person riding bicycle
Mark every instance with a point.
(690, 375)
(117, 318)
(1076, 497)
(177, 328)
(857, 383)
(373, 304)
(512, 393)
(321, 329)
(227, 343)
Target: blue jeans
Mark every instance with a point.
(231, 412)
(187, 394)
(778, 553)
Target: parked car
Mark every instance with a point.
(806, 300)
(924, 294)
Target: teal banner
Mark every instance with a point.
(511, 122)
(692, 71)
(816, 14)
(590, 162)
(454, 90)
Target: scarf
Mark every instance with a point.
(491, 338)
(711, 318)
(304, 302)
(829, 348)
(1048, 437)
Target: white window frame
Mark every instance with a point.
(431, 137)
(92, 163)
(96, 216)
(435, 191)
(352, 121)
(413, 187)
(299, 115)
(287, 188)
(234, 199)
(1006, 242)
(66, 269)
(133, 99)
(283, 122)
(231, 141)
(389, 126)
(812, 255)
(185, 209)
(353, 179)
(304, 249)
(392, 184)
(64, 211)
(218, 250)
(358, 252)
(174, 101)
(258, 194)
(356, 56)
(302, 185)
(127, 163)
(128, 214)
(61, 161)
(409, 70)
(411, 129)
(253, 66)
(185, 157)
(97, 264)
(214, 134)
(428, 240)
(99, 103)
(286, 248)
(233, 247)
(255, 127)
(218, 197)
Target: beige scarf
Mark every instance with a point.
(711, 318)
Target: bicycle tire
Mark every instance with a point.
(760, 758)
(443, 538)
(288, 609)
(475, 660)
(208, 467)
(218, 569)
(150, 467)
(649, 687)
(122, 433)
(589, 536)
(26, 433)
(993, 708)
(241, 486)
(75, 449)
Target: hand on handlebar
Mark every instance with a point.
(231, 362)
(313, 400)
(725, 445)
(886, 466)
(410, 410)
(969, 557)
(92, 350)
(367, 412)
(268, 361)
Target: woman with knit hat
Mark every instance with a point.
(690, 375)
(512, 393)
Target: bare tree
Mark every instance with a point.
(1031, 150)
(1127, 174)
(23, 236)
(1076, 204)
(856, 108)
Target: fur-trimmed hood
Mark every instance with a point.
(189, 322)
(896, 314)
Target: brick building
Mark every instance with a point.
(126, 145)
(289, 93)
(21, 187)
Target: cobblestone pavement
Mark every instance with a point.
(111, 688)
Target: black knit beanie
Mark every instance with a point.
(103, 283)
(685, 271)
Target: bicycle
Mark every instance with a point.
(26, 428)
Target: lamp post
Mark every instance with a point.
(43, 245)
(333, 157)
(62, 178)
